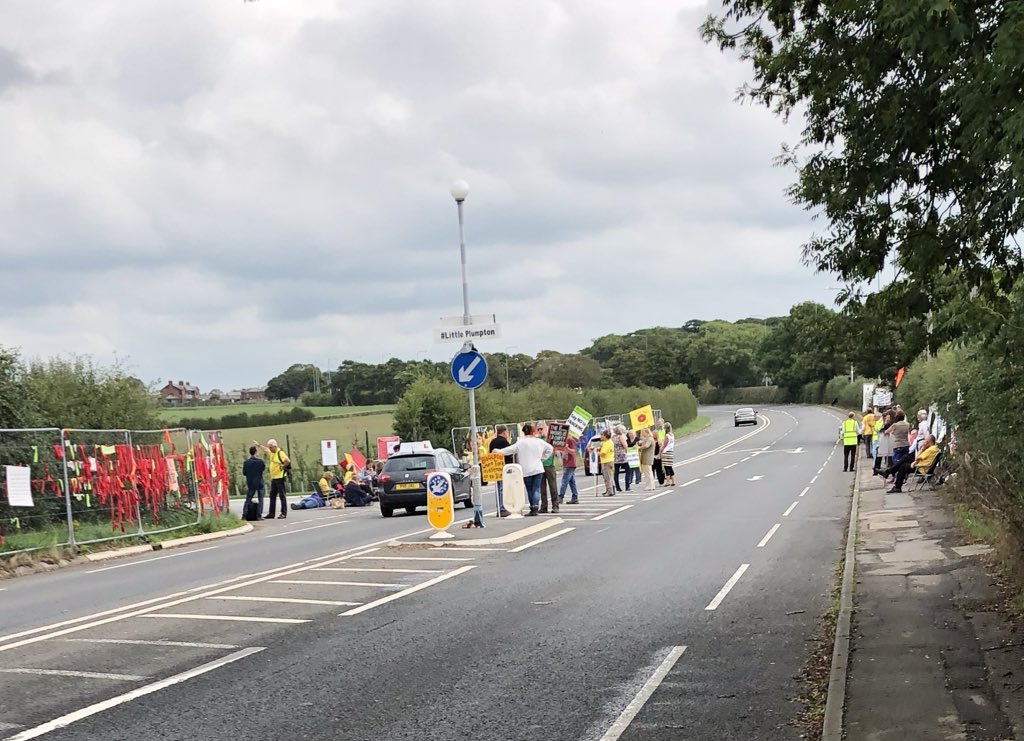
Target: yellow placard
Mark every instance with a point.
(641, 418)
(491, 467)
(440, 500)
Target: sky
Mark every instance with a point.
(212, 190)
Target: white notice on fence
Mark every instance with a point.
(19, 486)
(329, 452)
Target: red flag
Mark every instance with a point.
(899, 376)
(167, 436)
(357, 459)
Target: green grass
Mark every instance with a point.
(347, 431)
(177, 413)
(976, 526)
(694, 425)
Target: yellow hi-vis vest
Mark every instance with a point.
(849, 432)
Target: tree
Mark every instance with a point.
(911, 147)
(725, 354)
(572, 370)
(292, 383)
(15, 406)
(429, 410)
(809, 345)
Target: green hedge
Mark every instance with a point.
(749, 395)
(244, 419)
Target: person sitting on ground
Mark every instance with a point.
(908, 465)
(312, 501)
(355, 496)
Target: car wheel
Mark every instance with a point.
(386, 511)
(411, 510)
(468, 504)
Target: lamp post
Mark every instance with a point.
(459, 191)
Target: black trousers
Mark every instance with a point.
(623, 468)
(277, 488)
(902, 469)
(659, 471)
(849, 457)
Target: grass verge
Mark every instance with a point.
(695, 425)
(177, 413)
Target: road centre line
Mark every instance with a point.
(726, 468)
(384, 571)
(99, 707)
(688, 483)
(745, 459)
(636, 704)
(405, 592)
(150, 560)
(719, 449)
(791, 508)
(820, 470)
(538, 541)
(408, 558)
(307, 529)
(766, 538)
(225, 618)
(69, 673)
(322, 519)
(131, 642)
(338, 583)
(288, 600)
(659, 494)
(609, 514)
(713, 473)
(814, 479)
(713, 605)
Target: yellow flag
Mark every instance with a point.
(641, 418)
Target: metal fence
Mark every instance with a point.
(92, 486)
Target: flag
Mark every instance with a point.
(356, 461)
(899, 376)
(641, 418)
(167, 436)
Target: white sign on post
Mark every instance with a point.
(883, 398)
(19, 486)
(467, 333)
(329, 452)
(867, 395)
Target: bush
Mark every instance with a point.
(849, 393)
(317, 399)
(244, 419)
(749, 395)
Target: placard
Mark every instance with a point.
(883, 398)
(578, 421)
(329, 452)
(558, 433)
(642, 418)
(491, 466)
(386, 446)
(19, 486)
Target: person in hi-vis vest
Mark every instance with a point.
(850, 432)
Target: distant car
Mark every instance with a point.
(403, 481)
(745, 416)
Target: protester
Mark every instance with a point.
(619, 443)
(253, 469)
(531, 451)
(606, 457)
(849, 431)
(883, 450)
(632, 441)
(549, 482)
(668, 451)
(279, 465)
(900, 432)
(647, 444)
(922, 429)
(659, 436)
(355, 496)
(920, 463)
(569, 464)
(310, 501)
(499, 441)
(325, 482)
(868, 433)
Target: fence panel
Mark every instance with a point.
(43, 523)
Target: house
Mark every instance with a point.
(177, 394)
(254, 394)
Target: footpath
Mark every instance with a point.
(931, 656)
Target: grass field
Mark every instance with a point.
(173, 415)
(309, 434)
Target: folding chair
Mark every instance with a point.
(931, 476)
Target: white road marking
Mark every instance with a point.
(688, 483)
(613, 512)
(303, 522)
(719, 449)
(791, 508)
(713, 605)
(306, 529)
(626, 717)
(755, 478)
(337, 583)
(820, 470)
(384, 571)
(730, 466)
(175, 644)
(406, 592)
(745, 459)
(713, 473)
(408, 558)
(806, 489)
(150, 560)
(77, 715)
(814, 479)
(226, 618)
(660, 494)
(538, 541)
(766, 538)
(68, 673)
(289, 600)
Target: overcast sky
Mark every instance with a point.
(214, 189)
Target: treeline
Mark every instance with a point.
(244, 419)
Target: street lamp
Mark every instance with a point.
(508, 358)
(459, 191)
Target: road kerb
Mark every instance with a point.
(835, 703)
(135, 550)
(500, 540)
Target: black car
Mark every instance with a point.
(403, 481)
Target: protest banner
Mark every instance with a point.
(641, 418)
(491, 466)
(578, 421)
(558, 434)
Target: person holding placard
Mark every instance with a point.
(569, 473)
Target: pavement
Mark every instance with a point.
(931, 655)
(680, 613)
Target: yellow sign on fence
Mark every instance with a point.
(491, 466)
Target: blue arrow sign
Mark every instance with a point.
(469, 370)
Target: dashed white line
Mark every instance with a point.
(713, 473)
(407, 558)
(307, 529)
(405, 592)
(77, 715)
(745, 459)
(730, 466)
(613, 512)
(226, 618)
(814, 479)
(538, 541)
(791, 508)
(806, 489)
(288, 600)
(713, 605)
(766, 538)
(384, 571)
(688, 483)
(174, 644)
(337, 583)
(69, 673)
(626, 717)
(150, 560)
(659, 494)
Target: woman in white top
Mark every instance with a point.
(531, 451)
(668, 447)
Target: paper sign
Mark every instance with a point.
(491, 466)
(19, 486)
(329, 452)
(641, 418)
(558, 433)
(883, 398)
(386, 445)
(578, 421)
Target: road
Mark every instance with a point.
(679, 614)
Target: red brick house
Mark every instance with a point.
(176, 394)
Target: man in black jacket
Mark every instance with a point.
(501, 441)
(253, 469)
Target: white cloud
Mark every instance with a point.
(216, 190)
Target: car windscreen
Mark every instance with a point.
(410, 463)
(745, 410)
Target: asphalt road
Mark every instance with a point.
(685, 616)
